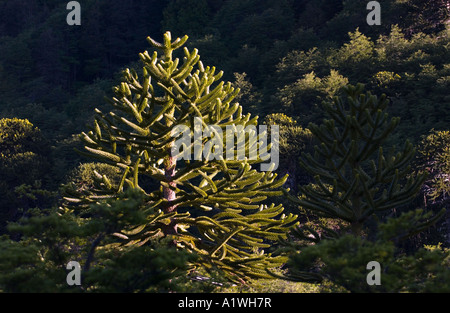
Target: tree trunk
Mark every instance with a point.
(169, 194)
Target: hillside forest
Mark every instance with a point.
(360, 115)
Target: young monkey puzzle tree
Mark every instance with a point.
(354, 179)
(231, 224)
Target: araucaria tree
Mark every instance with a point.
(354, 177)
(213, 206)
(356, 181)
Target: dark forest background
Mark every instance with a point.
(287, 56)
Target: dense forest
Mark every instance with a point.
(86, 173)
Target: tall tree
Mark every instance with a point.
(354, 178)
(230, 225)
(356, 181)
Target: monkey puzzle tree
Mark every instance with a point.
(213, 206)
(355, 181)
(354, 178)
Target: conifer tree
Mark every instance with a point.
(354, 178)
(214, 207)
(354, 181)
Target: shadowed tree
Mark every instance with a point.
(355, 178)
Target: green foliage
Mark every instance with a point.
(354, 177)
(411, 71)
(84, 176)
(293, 140)
(301, 97)
(241, 36)
(426, 17)
(385, 78)
(293, 137)
(412, 15)
(138, 138)
(292, 56)
(140, 269)
(343, 261)
(434, 158)
(261, 29)
(355, 182)
(23, 168)
(22, 270)
(18, 136)
(297, 63)
(248, 98)
(37, 262)
(181, 16)
(358, 51)
(399, 228)
(52, 239)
